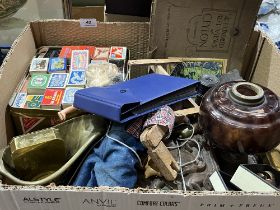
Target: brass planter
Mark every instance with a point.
(79, 134)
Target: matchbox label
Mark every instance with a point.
(212, 30)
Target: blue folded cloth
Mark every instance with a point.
(113, 162)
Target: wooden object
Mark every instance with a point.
(189, 111)
(160, 155)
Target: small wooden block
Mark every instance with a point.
(189, 111)
(158, 69)
(160, 155)
(152, 136)
(165, 162)
(151, 169)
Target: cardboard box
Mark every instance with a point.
(135, 37)
(205, 28)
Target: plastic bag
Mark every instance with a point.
(102, 74)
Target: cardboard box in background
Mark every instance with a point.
(128, 10)
(96, 12)
(124, 18)
(205, 28)
(82, 3)
(141, 8)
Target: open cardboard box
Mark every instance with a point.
(260, 57)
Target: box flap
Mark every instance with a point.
(16, 62)
(33, 198)
(132, 35)
(205, 28)
(266, 66)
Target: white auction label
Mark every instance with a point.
(88, 22)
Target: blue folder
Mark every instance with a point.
(136, 97)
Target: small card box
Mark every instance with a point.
(58, 80)
(68, 97)
(77, 79)
(33, 101)
(39, 65)
(79, 60)
(101, 53)
(37, 84)
(57, 65)
(52, 99)
(20, 100)
(117, 53)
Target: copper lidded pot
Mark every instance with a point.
(241, 117)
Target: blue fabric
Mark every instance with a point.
(110, 163)
(267, 6)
